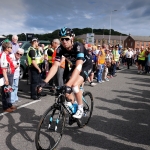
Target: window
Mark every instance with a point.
(99, 41)
(126, 44)
(146, 43)
(131, 44)
(142, 43)
(138, 43)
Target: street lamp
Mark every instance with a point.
(92, 28)
(103, 32)
(110, 25)
(120, 38)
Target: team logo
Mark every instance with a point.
(78, 48)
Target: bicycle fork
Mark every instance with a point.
(57, 120)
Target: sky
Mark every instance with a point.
(45, 16)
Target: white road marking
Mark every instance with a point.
(30, 103)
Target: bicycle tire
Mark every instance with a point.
(87, 108)
(44, 138)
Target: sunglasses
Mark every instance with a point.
(10, 47)
(66, 39)
(19, 54)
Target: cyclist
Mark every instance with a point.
(82, 66)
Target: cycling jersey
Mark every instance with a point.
(78, 52)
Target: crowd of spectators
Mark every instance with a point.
(40, 58)
(9, 73)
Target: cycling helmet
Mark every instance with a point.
(65, 32)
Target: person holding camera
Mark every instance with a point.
(16, 61)
(7, 70)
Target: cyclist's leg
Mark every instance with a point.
(78, 95)
(76, 88)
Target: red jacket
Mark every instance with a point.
(6, 63)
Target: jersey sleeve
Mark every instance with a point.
(58, 54)
(80, 49)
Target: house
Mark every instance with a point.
(137, 41)
(99, 39)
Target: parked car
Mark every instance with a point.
(25, 45)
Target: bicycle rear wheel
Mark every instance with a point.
(50, 128)
(87, 108)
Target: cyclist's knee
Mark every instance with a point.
(75, 88)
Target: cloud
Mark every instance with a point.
(43, 16)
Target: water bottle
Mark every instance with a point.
(72, 107)
(75, 107)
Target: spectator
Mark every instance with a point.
(60, 71)
(107, 65)
(124, 61)
(116, 56)
(100, 64)
(129, 55)
(16, 61)
(141, 60)
(34, 60)
(148, 60)
(91, 75)
(6, 71)
(15, 45)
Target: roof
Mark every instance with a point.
(98, 37)
(2, 37)
(141, 38)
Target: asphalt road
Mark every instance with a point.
(120, 120)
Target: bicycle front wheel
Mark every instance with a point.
(50, 128)
(88, 103)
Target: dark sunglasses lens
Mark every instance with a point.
(66, 39)
(19, 54)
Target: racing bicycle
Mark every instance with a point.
(52, 123)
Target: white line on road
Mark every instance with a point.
(1, 114)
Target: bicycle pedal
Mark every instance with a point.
(71, 120)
